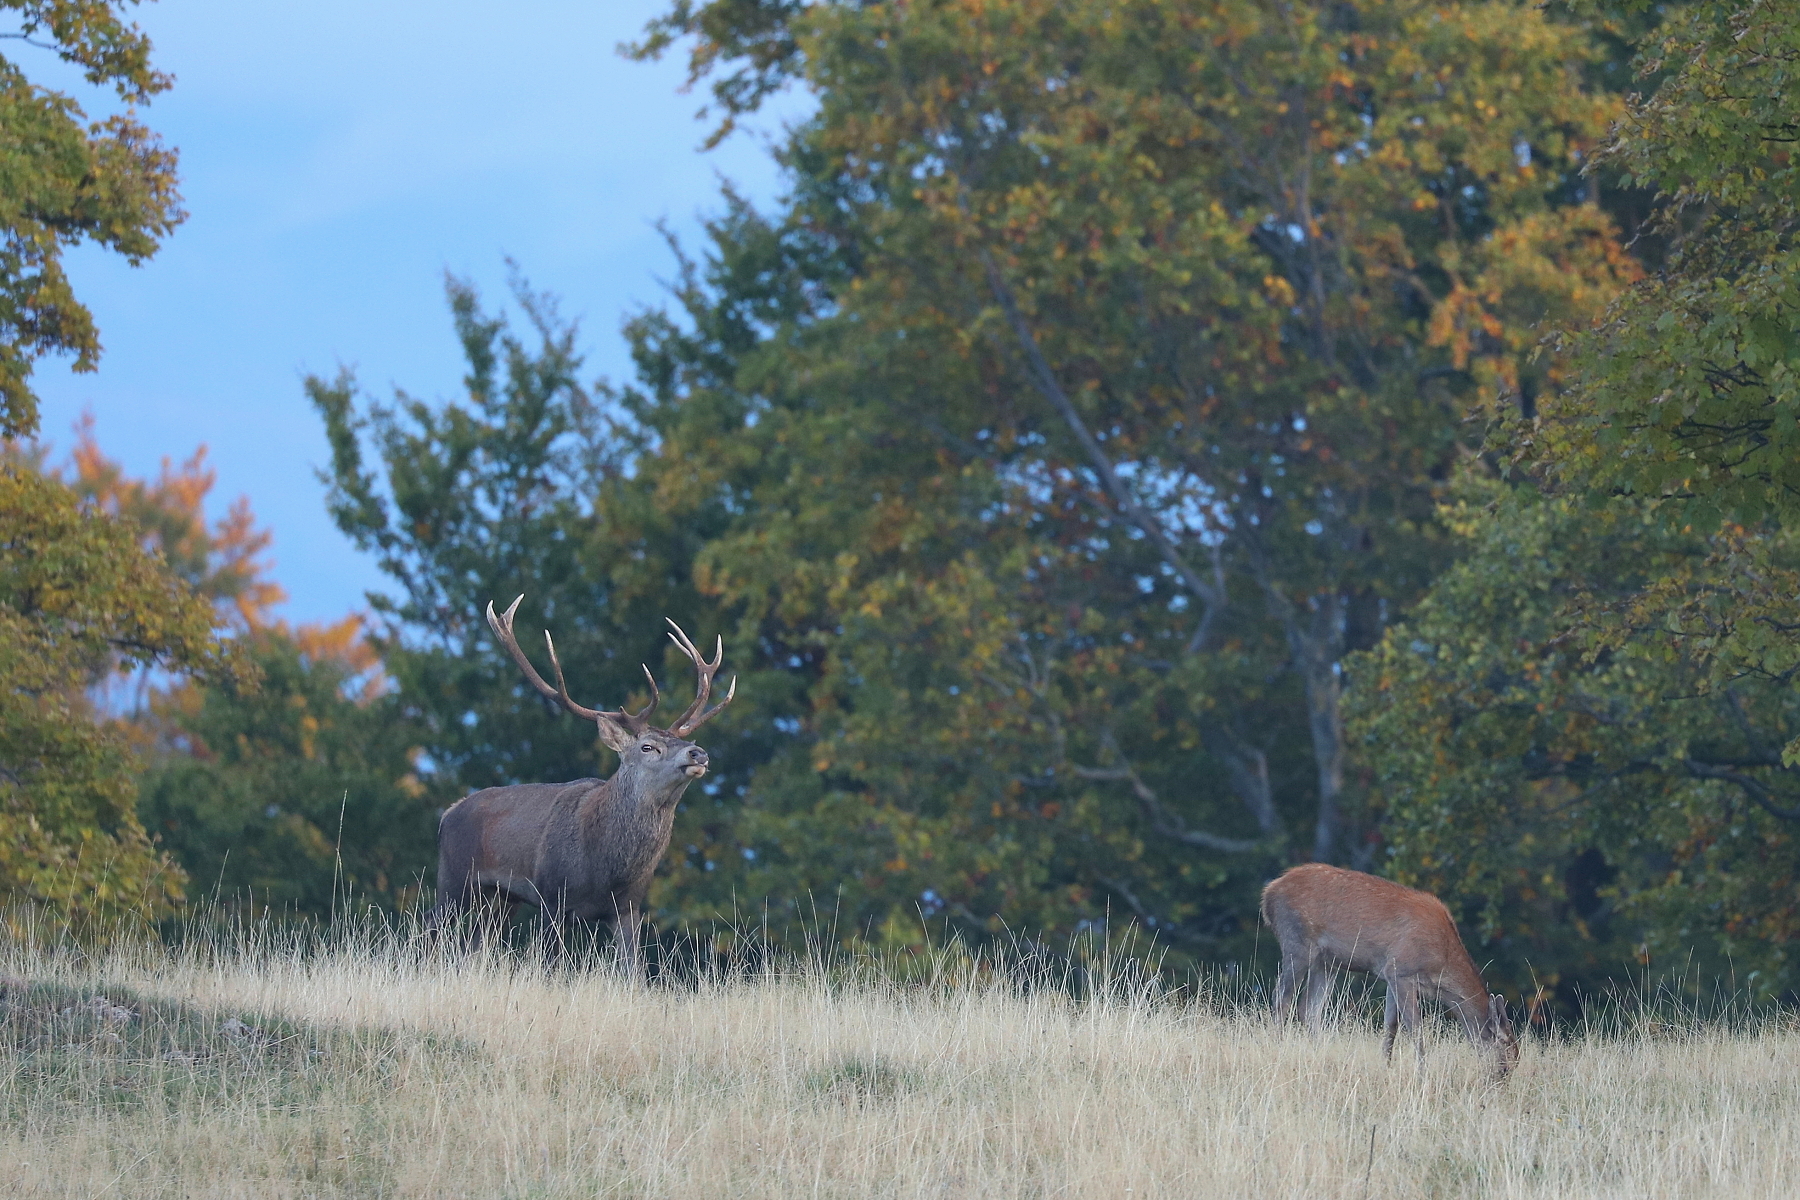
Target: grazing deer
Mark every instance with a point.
(1327, 918)
(584, 850)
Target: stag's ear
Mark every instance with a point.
(614, 733)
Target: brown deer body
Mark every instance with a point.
(1329, 919)
(586, 850)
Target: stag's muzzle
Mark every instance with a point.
(696, 766)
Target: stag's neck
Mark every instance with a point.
(630, 796)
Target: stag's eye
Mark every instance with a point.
(648, 748)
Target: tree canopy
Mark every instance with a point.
(1588, 727)
(1093, 393)
(80, 597)
(65, 179)
(163, 725)
(1597, 808)
(301, 795)
(1686, 392)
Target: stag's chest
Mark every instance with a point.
(624, 837)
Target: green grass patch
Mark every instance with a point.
(66, 1052)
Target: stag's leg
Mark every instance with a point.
(451, 909)
(625, 941)
(489, 920)
(443, 914)
(1318, 990)
(553, 937)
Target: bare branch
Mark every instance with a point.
(1162, 925)
(1212, 598)
(1750, 786)
(1248, 767)
(1164, 822)
(1315, 637)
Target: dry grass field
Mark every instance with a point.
(363, 1072)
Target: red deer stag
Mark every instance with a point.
(1327, 919)
(580, 851)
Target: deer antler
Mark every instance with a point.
(502, 625)
(688, 721)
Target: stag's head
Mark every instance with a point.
(662, 754)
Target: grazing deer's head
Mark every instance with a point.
(642, 748)
(1497, 1029)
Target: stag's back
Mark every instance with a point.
(502, 831)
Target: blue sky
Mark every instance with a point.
(337, 158)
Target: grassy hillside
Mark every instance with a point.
(362, 1072)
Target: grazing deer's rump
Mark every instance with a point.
(1328, 919)
(586, 850)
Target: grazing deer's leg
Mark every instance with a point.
(1407, 1001)
(1285, 979)
(1318, 990)
(1390, 1021)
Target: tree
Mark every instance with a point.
(1091, 396)
(1595, 807)
(1589, 726)
(1683, 394)
(301, 794)
(67, 179)
(481, 500)
(290, 782)
(528, 485)
(293, 787)
(1125, 419)
(78, 597)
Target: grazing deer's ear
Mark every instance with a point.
(614, 733)
(1497, 1011)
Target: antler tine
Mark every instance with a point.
(562, 688)
(712, 712)
(680, 638)
(502, 626)
(688, 721)
(655, 696)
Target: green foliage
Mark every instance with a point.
(754, 38)
(1597, 806)
(296, 795)
(244, 778)
(485, 498)
(1128, 352)
(1089, 397)
(65, 179)
(1590, 726)
(1686, 391)
(78, 598)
